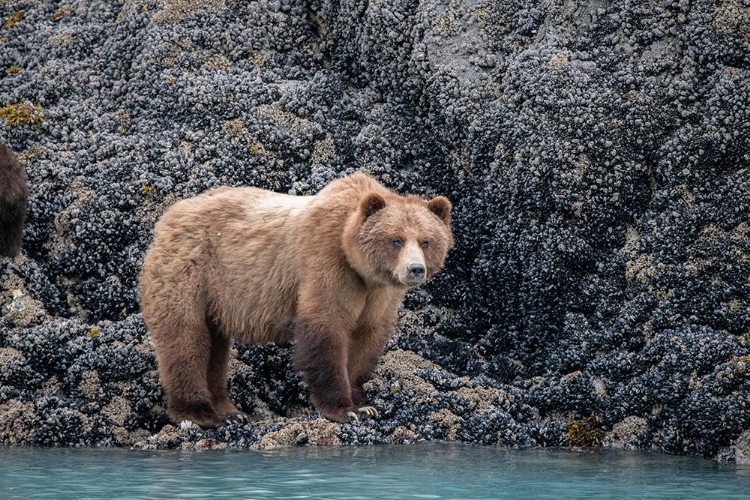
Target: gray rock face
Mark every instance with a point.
(596, 153)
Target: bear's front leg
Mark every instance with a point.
(367, 345)
(320, 353)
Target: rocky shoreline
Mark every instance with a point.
(596, 156)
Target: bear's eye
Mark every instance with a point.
(425, 244)
(398, 243)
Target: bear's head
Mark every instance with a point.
(398, 240)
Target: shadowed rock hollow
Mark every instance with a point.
(597, 156)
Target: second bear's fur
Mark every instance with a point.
(14, 193)
(327, 272)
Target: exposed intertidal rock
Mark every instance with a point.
(596, 155)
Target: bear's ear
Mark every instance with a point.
(441, 207)
(372, 203)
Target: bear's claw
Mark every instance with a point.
(362, 413)
(236, 418)
(367, 412)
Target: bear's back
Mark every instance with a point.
(239, 202)
(238, 243)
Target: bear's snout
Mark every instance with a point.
(415, 272)
(411, 267)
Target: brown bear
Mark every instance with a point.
(14, 193)
(327, 272)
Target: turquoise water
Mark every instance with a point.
(414, 471)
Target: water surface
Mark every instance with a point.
(426, 470)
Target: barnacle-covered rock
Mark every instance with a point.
(596, 155)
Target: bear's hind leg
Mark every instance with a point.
(183, 360)
(217, 379)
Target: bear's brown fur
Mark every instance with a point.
(326, 271)
(14, 193)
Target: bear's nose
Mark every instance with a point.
(415, 271)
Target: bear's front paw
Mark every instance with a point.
(236, 418)
(346, 415)
(366, 412)
(363, 413)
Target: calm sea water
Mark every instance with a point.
(389, 472)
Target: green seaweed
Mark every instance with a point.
(93, 333)
(21, 114)
(34, 151)
(13, 19)
(586, 433)
(60, 13)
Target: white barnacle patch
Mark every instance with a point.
(187, 424)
